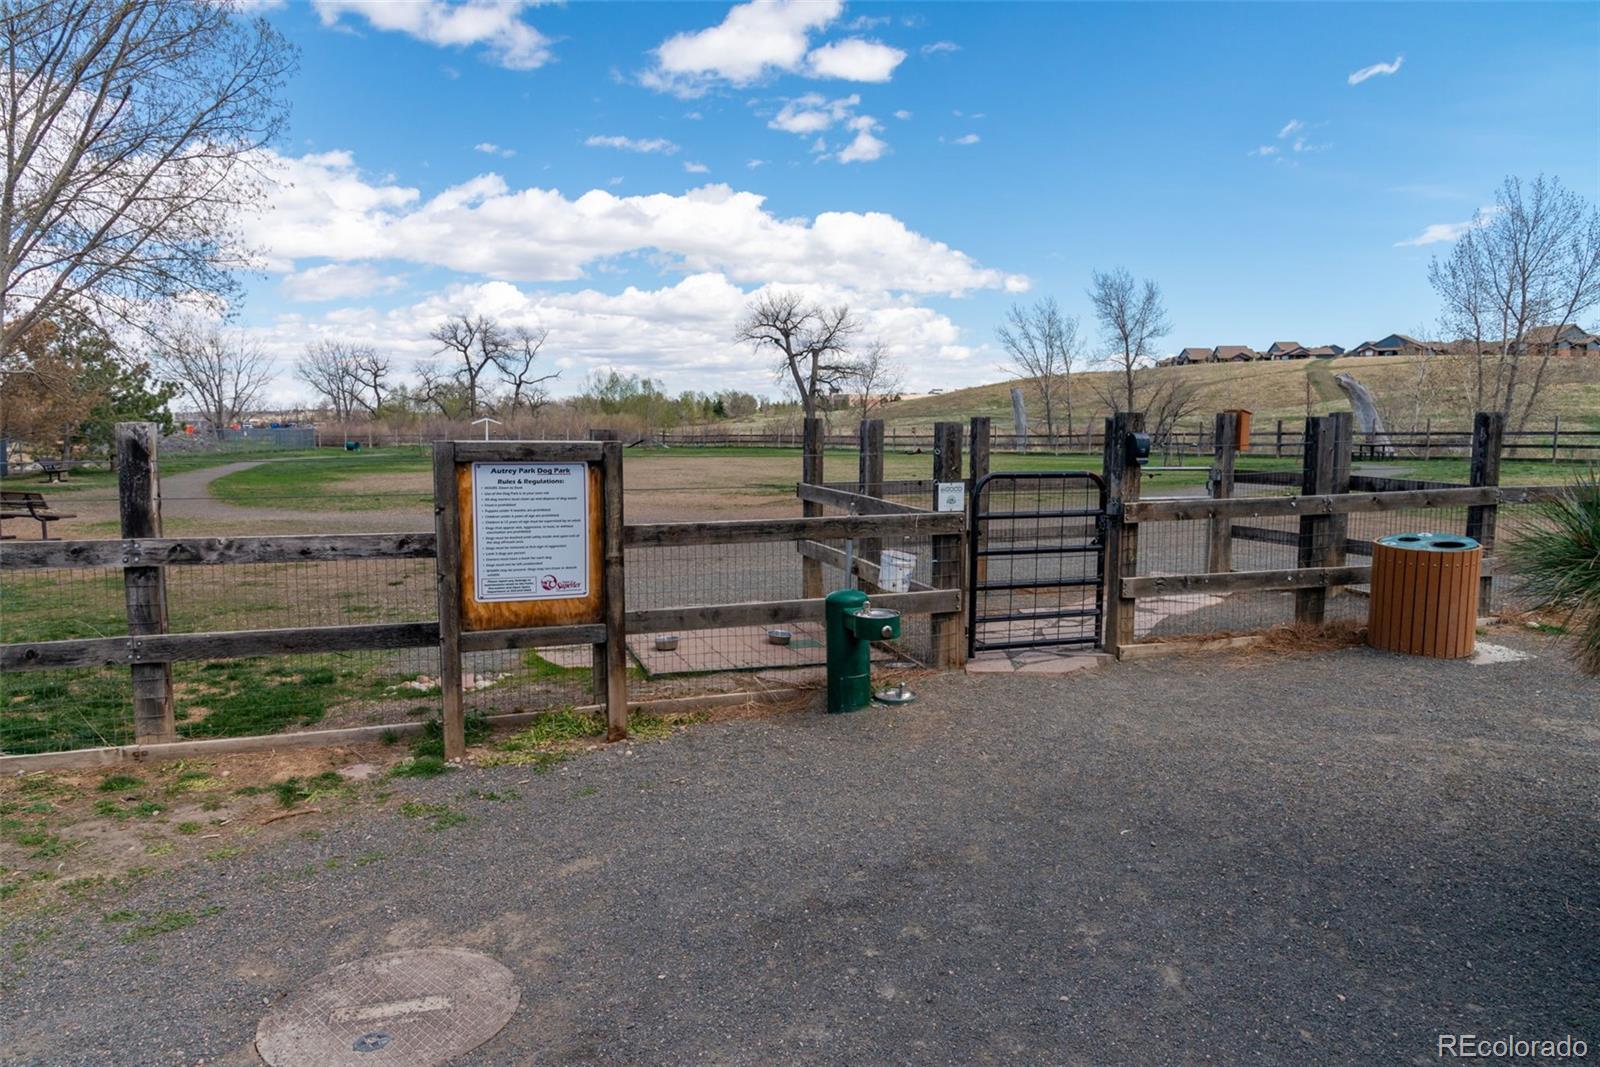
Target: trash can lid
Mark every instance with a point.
(1430, 542)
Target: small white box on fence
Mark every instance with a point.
(894, 570)
(952, 496)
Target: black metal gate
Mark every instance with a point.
(1036, 560)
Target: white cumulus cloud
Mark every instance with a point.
(494, 24)
(855, 59)
(338, 281)
(485, 227)
(813, 115)
(759, 39)
(679, 334)
(489, 148)
(696, 168)
(1375, 70)
(864, 147)
(754, 40)
(629, 144)
(1448, 231)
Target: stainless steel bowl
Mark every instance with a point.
(667, 643)
(779, 637)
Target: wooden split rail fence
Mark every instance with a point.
(1328, 495)
(149, 651)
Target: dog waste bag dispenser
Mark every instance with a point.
(852, 625)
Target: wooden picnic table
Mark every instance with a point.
(22, 504)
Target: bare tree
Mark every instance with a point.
(1526, 267)
(1134, 319)
(812, 342)
(473, 342)
(222, 376)
(329, 368)
(514, 356)
(1168, 399)
(370, 369)
(132, 132)
(439, 390)
(875, 375)
(1043, 346)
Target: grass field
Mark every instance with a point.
(1273, 391)
(402, 478)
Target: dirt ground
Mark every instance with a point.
(1306, 858)
(661, 487)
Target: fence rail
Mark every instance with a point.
(145, 651)
(1279, 440)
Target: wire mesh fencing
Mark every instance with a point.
(1280, 543)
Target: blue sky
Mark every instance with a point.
(626, 175)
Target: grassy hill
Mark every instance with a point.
(1280, 391)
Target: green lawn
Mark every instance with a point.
(321, 481)
(176, 463)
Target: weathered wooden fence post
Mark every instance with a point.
(869, 482)
(1123, 479)
(1019, 420)
(599, 655)
(1277, 441)
(144, 588)
(811, 474)
(614, 597)
(1488, 437)
(949, 650)
(447, 561)
(1555, 440)
(1325, 466)
(1219, 484)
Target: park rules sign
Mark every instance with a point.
(530, 531)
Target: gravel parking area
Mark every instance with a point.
(1327, 858)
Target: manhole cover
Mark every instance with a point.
(414, 1008)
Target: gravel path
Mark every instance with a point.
(188, 496)
(1311, 859)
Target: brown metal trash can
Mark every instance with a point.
(1425, 595)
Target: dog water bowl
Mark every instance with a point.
(779, 637)
(667, 643)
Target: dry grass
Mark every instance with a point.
(1296, 637)
(1288, 639)
(1278, 391)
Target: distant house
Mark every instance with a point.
(1397, 344)
(1281, 350)
(1233, 354)
(1563, 340)
(1321, 352)
(1192, 355)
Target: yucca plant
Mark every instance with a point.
(1558, 560)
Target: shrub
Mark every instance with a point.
(1558, 560)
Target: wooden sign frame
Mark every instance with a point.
(467, 624)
